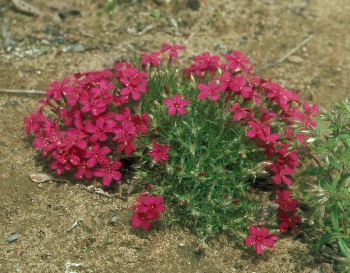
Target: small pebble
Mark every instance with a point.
(295, 59)
(40, 186)
(11, 103)
(12, 238)
(114, 220)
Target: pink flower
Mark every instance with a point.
(210, 90)
(159, 151)
(141, 219)
(33, 122)
(207, 62)
(237, 60)
(280, 173)
(80, 164)
(98, 131)
(240, 112)
(288, 220)
(260, 238)
(148, 209)
(153, 59)
(96, 154)
(151, 204)
(173, 49)
(109, 171)
(176, 105)
(285, 202)
(95, 106)
(132, 87)
(58, 89)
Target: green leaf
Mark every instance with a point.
(324, 240)
(334, 217)
(311, 171)
(344, 245)
(335, 164)
(332, 143)
(318, 128)
(346, 155)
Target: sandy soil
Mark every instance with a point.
(44, 48)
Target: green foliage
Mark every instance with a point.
(205, 140)
(329, 185)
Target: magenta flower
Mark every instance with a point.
(148, 209)
(225, 79)
(210, 90)
(96, 154)
(80, 164)
(288, 220)
(173, 49)
(159, 151)
(33, 122)
(95, 106)
(153, 59)
(58, 89)
(151, 204)
(109, 171)
(141, 219)
(207, 62)
(240, 112)
(176, 105)
(132, 87)
(280, 173)
(260, 238)
(98, 131)
(237, 60)
(285, 202)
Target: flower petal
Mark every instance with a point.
(264, 232)
(259, 248)
(254, 230)
(250, 240)
(136, 220)
(172, 110)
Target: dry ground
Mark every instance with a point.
(46, 48)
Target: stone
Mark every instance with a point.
(12, 238)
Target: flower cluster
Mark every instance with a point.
(287, 209)
(261, 237)
(251, 99)
(147, 210)
(91, 121)
(92, 124)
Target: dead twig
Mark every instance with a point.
(18, 91)
(285, 56)
(27, 8)
(74, 225)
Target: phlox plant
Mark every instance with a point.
(199, 138)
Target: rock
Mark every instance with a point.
(11, 103)
(295, 59)
(74, 48)
(243, 40)
(12, 238)
(114, 220)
